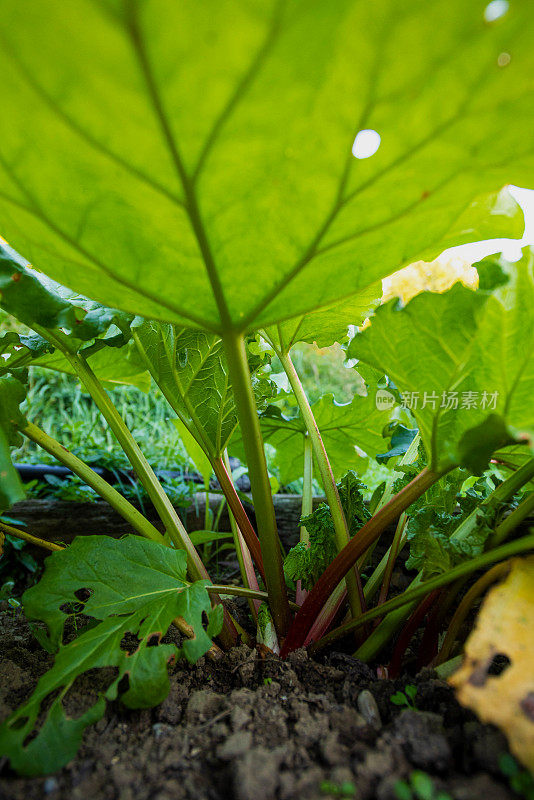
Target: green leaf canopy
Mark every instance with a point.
(135, 587)
(465, 363)
(192, 161)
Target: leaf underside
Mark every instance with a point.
(137, 171)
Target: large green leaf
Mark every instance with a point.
(12, 393)
(112, 365)
(192, 161)
(191, 370)
(349, 431)
(133, 587)
(326, 325)
(37, 301)
(34, 299)
(465, 361)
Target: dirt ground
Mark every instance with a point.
(257, 728)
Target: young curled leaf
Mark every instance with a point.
(496, 679)
(133, 589)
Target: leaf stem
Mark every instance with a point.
(393, 552)
(407, 633)
(339, 567)
(307, 486)
(307, 505)
(342, 535)
(244, 559)
(510, 523)
(28, 537)
(386, 628)
(411, 595)
(243, 591)
(145, 473)
(259, 479)
(241, 517)
(95, 481)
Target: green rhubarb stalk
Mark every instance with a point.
(243, 591)
(411, 595)
(307, 486)
(358, 545)
(27, 537)
(307, 505)
(393, 552)
(259, 480)
(145, 473)
(96, 482)
(341, 530)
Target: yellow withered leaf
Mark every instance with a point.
(504, 627)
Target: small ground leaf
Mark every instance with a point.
(137, 587)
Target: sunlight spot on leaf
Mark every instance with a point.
(495, 10)
(365, 144)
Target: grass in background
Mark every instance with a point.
(58, 404)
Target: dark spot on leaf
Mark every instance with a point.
(425, 194)
(18, 723)
(527, 706)
(83, 594)
(130, 643)
(16, 277)
(154, 639)
(499, 664)
(205, 620)
(494, 666)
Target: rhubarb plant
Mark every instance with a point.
(195, 177)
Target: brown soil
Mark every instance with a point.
(256, 728)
